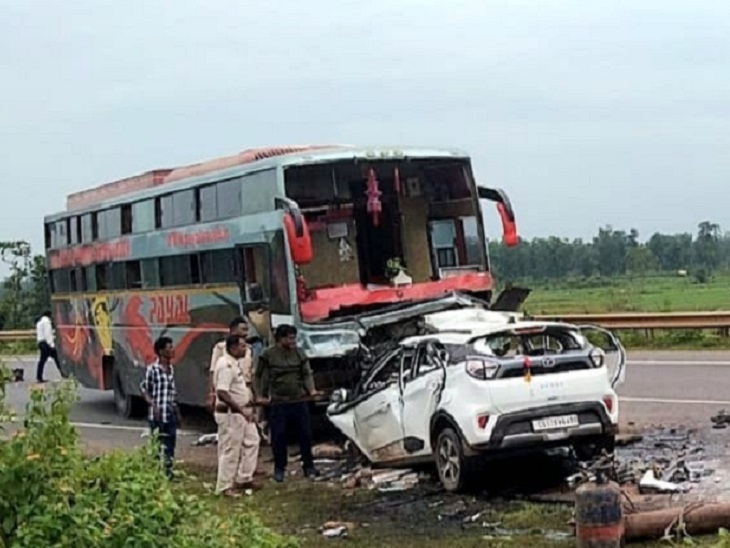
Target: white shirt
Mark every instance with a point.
(44, 331)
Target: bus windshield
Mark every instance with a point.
(386, 231)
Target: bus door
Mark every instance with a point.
(252, 265)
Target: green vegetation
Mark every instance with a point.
(626, 294)
(51, 494)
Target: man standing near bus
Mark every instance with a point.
(46, 345)
(238, 436)
(158, 389)
(284, 381)
(238, 326)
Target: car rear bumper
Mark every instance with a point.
(515, 430)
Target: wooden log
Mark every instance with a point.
(699, 519)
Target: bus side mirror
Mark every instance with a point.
(506, 213)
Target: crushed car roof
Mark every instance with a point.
(460, 326)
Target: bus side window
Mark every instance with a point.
(252, 274)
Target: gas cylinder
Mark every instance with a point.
(598, 515)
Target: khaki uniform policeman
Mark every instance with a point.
(238, 436)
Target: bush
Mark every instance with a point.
(51, 494)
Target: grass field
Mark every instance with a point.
(655, 294)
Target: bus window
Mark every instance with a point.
(90, 276)
(218, 267)
(118, 276)
(150, 269)
(134, 275)
(183, 208)
(87, 234)
(143, 216)
(207, 196)
(102, 277)
(127, 219)
(280, 297)
(179, 270)
(61, 234)
(164, 212)
(61, 280)
(74, 229)
(109, 223)
(73, 281)
(255, 280)
(228, 198)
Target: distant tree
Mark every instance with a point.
(706, 249)
(25, 291)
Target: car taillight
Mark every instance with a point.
(608, 402)
(482, 421)
(481, 369)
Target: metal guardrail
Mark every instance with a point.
(627, 321)
(14, 336)
(648, 321)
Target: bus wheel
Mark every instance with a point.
(127, 406)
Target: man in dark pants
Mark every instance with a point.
(158, 388)
(283, 379)
(46, 346)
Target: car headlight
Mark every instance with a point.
(597, 356)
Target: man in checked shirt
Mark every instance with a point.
(158, 388)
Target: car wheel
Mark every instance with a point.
(127, 406)
(453, 467)
(592, 449)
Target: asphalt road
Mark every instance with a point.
(668, 388)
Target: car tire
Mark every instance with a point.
(454, 469)
(593, 448)
(126, 405)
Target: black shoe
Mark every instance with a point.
(311, 472)
(279, 476)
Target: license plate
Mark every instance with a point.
(555, 423)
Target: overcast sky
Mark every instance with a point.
(587, 112)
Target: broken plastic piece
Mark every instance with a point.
(650, 484)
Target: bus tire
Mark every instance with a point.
(127, 405)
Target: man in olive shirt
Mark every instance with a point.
(284, 379)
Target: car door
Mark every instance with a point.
(421, 386)
(615, 352)
(377, 419)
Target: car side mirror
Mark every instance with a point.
(339, 396)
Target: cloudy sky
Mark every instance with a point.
(587, 113)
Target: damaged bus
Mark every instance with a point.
(352, 245)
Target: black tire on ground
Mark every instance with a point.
(127, 406)
(594, 447)
(454, 469)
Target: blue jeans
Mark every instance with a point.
(167, 437)
(281, 416)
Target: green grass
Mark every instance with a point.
(652, 294)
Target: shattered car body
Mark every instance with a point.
(481, 383)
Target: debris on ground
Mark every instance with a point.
(336, 529)
(206, 439)
(18, 375)
(327, 451)
(720, 420)
(650, 484)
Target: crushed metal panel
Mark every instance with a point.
(512, 299)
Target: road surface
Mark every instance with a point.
(667, 388)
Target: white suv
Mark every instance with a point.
(485, 383)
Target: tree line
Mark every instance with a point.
(613, 253)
